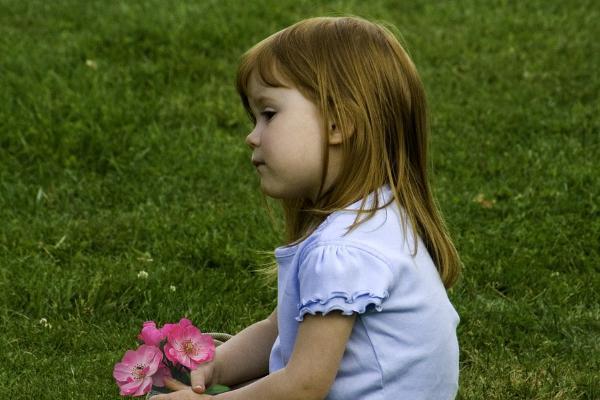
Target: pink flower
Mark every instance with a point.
(134, 373)
(158, 379)
(167, 328)
(151, 335)
(188, 346)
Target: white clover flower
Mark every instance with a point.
(91, 64)
(44, 323)
(142, 275)
(173, 288)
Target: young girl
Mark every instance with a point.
(340, 136)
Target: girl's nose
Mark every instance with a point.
(252, 139)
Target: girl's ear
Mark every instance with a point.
(335, 134)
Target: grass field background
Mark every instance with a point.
(121, 151)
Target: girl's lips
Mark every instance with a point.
(257, 163)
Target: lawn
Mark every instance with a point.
(122, 150)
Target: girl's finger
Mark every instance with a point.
(198, 389)
(198, 378)
(174, 384)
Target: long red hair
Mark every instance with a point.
(359, 76)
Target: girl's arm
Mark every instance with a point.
(314, 363)
(246, 355)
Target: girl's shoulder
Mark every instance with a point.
(384, 234)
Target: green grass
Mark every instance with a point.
(121, 150)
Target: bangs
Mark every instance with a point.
(262, 60)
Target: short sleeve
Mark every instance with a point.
(344, 278)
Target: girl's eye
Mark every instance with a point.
(268, 114)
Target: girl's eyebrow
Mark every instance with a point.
(261, 100)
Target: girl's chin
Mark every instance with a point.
(281, 194)
(272, 194)
(277, 192)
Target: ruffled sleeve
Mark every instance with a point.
(341, 277)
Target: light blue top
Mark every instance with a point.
(403, 344)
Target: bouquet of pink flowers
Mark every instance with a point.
(171, 351)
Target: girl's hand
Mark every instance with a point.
(181, 392)
(202, 377)
(184, 394)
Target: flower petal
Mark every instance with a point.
(122, 372)
(158, 379)
(151, 335)
(191, 332)
(151, 357)
(170, 353)
(205, 349)
(131, 357)
(186, 361)
(129, 388)
(183, 322)
(166, 329)
(144, 387)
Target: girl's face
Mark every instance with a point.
(287, 142)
